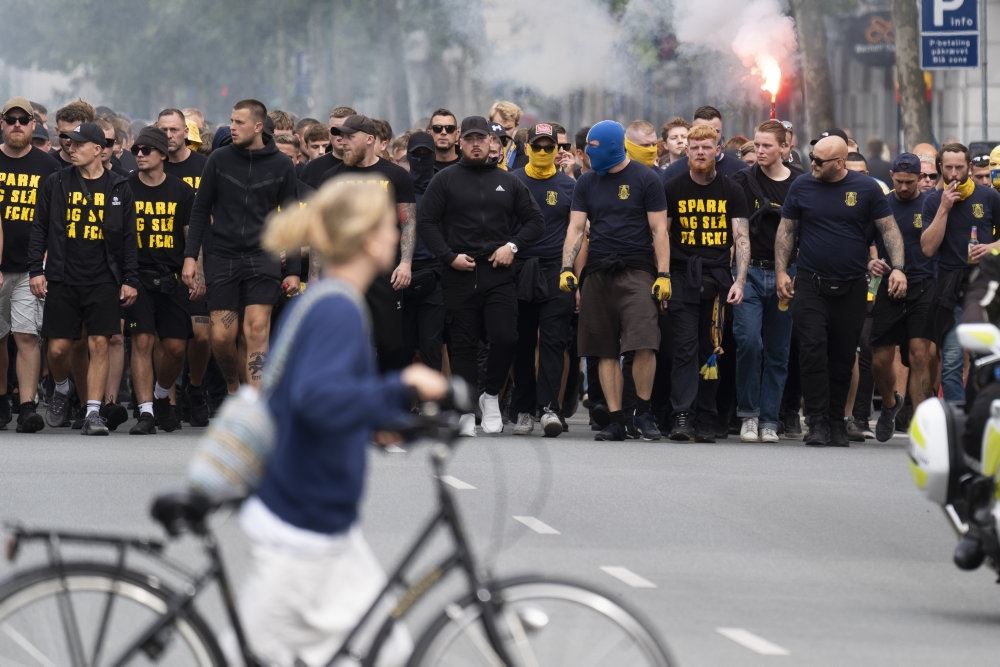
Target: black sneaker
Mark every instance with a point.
(838, 433)
(599, 415)
(855, 429)
(114, 415)
(93, 424)
(631, 432)
(197, 406)
(5, 414)
(886, 423)
(166, 415)
(682, 431)
(792, 426)
(29, 421)
(58, 413)
(645, 424)
(144, 426)
(704, 430)
(78, 416)
(613, 431)
(819, 432)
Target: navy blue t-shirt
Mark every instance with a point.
(616, 205)
(554, 196)
(911, 222)
(836, 223)
(980, 210)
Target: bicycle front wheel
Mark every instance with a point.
(543, 621)
(89, 613)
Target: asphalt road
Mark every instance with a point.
(742, 554)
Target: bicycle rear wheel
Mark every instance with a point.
(48, 618)
(543, 621)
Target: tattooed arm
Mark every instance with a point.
(574, 237)
(403, 273)
(892, 238)
(784, 242)
(741, 247)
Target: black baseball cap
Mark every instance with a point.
(153, 137)
(40, 133)
(356, 123)
(475, 125)
(542, 131)
(87, 132)
(906, 163)
(419, 140)
(835, 132)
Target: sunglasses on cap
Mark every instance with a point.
(447, 129)
(819, 162)
(787, 124)
(17, 120)
(144, 150)
(981, 160)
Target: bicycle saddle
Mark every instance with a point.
(178, 511)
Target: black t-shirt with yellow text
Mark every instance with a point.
(161, 214)
(189, 171)
(701, 215)
(20, 179)
(86, 256)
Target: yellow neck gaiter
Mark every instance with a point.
(541, 165)
(965, 188)
(643, 154)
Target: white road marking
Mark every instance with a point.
(537, 525)
(456, 483)
(749, 640)
(394, 449)
(628, 576)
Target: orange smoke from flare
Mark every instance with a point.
(770, 71)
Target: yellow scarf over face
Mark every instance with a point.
(966, 188)
(643, 154)
(541, 165)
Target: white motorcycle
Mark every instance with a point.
(942, 438)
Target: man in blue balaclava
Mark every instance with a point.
(626, 275)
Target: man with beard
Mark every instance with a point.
(423, 300)
(242, 184)
(357, 135)
(314, 171)
(707, 215)
(443, 127)
(23, 169)
(725, 164)
(762, 325)
(474, 218)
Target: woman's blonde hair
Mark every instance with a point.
(333, 222)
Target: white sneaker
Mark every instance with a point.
(768, 434)
(551, 424)
(492, 420)
(525, 424)
(748, 432)
(467, 425)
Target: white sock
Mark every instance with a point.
(146, 408)
(92, 407)
(63, 386)
(160, 392)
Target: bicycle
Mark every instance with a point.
(87, 612)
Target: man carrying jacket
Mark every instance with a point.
(242, 183)
(474, 217)
(84, 228)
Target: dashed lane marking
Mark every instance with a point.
(456, 483)
(628, 576)
(749, 640)
(537, 525)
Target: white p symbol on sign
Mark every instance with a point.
(942, 6)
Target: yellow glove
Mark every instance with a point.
(567, 281)
(661, 288)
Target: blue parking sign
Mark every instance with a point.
(949, 34)
(949, 16)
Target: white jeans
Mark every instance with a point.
(305, 591)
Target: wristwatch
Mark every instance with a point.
(512, 246)
(900, 268)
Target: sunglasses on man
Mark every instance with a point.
(446, 129)
(142, 150)
(981, 160)
(819, 162)
(17, 120)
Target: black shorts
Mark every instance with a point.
(160, 313)
(617, 314)
(896, 321)
(69, 308)
(237, 282)
(197, 308)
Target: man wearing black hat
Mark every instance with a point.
(162, 209)
(23, 168)
(423, 300)
(241, 185)
(544, 311)
(40, 138)
(475, 218)
(834, 213)
(82, 261)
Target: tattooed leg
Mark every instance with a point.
(225, 327)
(257, 331)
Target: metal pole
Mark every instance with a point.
(984, 49)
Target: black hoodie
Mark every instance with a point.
(239, 189)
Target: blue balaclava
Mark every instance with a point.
(610, 136)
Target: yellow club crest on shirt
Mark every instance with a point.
(851, 198)
(623, 192)
(551, 197)
(977, 211)
(918, 220)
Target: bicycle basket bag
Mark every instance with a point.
(230, 458)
